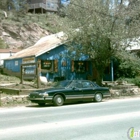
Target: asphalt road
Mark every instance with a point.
(108, 120)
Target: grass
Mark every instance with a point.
(7, 78)
(135, 81)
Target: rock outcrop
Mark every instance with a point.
(20, 35)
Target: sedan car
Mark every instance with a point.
(69, 90)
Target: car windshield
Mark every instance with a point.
(96, 84)
(62, 84)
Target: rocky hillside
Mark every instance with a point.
(22, 32)
(25, 36)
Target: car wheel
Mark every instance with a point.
(98, 97)
(41, 104)
(58, 100)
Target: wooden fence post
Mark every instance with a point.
(21, 76)
(38, 74)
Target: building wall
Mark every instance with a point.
(13, 65)
(64, 65)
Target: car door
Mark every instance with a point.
(88, 89)
(75, 91)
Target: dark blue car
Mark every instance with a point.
(69, 90)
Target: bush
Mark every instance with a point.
(136, 81)
(3, 45)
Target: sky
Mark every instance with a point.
(65, 1)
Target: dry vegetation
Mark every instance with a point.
(14, 83)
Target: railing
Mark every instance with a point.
(44, 6)
(34, 6)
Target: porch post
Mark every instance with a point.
(112, 71)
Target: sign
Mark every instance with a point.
(46, 64)
(30, 71)
(28, 60)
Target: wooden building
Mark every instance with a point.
(43, 5)
(55, 59)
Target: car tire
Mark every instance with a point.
(98, 97)
(58, 100)
(41, 104)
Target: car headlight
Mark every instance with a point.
(45, 94)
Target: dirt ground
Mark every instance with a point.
(10, 86)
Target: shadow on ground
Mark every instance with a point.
(66, 104)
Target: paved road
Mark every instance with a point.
(108, 120)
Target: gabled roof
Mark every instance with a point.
(45, 44)
(9, 50)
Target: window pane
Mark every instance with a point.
(87, 85)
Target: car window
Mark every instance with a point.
(87, 84)
(79, 85)
(72, 84)
(64, 83)
(75, 84)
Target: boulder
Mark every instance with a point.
(43, 80)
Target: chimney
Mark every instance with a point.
(10, 53)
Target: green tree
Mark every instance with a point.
(3, 45)
(21, 7)
(6, 5)
(100, 28)
(3, 4)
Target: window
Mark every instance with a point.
(75, 84)
(79, 66)
(87, 85)
(49, 65)
(79, 85)
(107, 69)
(46, 64)
(16, 63)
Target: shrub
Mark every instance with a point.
(136, 81)
(3, 45)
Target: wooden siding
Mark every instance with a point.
(13, 65)
(62, 68)
(63, 62)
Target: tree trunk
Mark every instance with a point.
(99, 77)
(100, 72)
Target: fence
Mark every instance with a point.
(30, 71)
